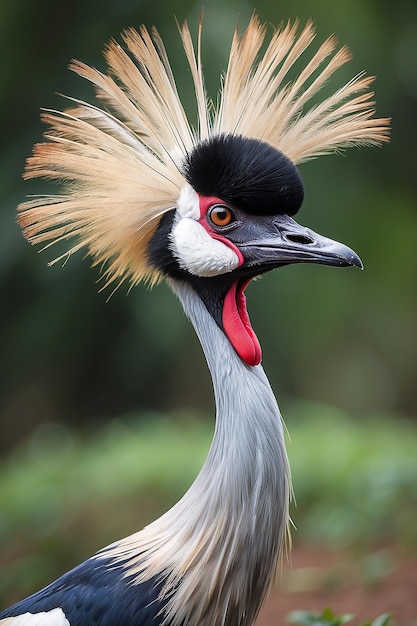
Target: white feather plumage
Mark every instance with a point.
(55, 617)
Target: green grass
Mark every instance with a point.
(329, 618)
(63, 495)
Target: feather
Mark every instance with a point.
(229, 528)
(55, 617)
(121, 166)
(195, 64)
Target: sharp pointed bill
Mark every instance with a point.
(293, 243)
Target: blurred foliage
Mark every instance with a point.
(329, 618)
(345, 338)
(354, 481)
(65, 495)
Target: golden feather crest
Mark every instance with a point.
(121, 165)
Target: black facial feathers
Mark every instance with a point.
(247, 173)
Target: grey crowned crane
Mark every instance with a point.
(207, 208)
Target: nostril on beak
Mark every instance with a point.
(297, 238)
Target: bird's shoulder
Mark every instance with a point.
(95, 593)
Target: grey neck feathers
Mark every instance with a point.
(218, 546)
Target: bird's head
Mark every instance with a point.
(149, 196)
(233, 221)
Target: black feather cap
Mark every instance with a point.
(247, 173)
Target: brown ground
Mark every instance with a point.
(382, 582)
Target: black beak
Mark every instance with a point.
(288, 242)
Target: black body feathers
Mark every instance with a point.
(96, 593)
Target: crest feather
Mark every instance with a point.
(121, 166)
(259, 100)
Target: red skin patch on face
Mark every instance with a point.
(235, 318)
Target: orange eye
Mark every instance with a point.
(220, 215)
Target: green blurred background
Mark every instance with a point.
(347, 338)
(73, 365)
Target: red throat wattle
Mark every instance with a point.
(237, 326)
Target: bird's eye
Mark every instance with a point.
(220, 215)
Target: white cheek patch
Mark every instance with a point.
(188, 204)
(198, 253)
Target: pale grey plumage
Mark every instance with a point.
(220, 543)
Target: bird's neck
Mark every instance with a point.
(219, 545)
(248, 446)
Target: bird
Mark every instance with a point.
(206, 205)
